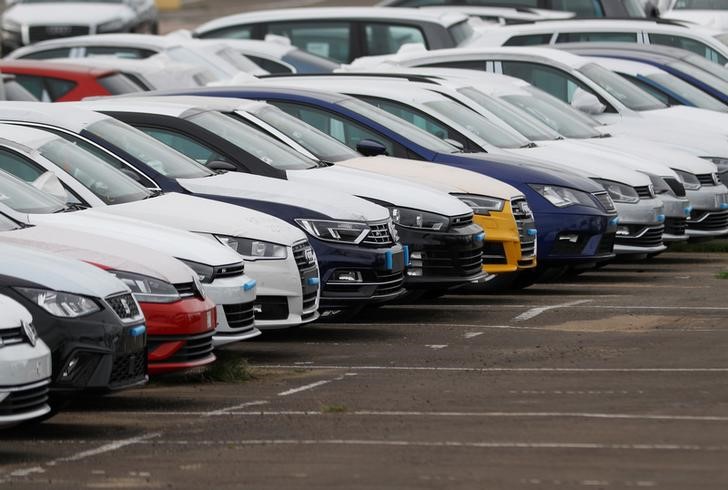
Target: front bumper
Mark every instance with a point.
(640, 227)
(443, 259)
(572, 238)
(288, 290)
(23, 402)
(677, 210)
(709, 216)
(173, 328)
(510, 243)
(235, 298)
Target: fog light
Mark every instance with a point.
(348, 276)
(623, 231)
(68, 370)
(414, 272)
(569, 237)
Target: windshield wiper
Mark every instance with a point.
(603, 135)
(530, 144)
(154, 193)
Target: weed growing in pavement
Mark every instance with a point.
(333, 408)
(714, 246)
(229, 368)
(722, 275)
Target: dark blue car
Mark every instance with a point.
(575, 218)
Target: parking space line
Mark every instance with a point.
(235, 407)
(472, 335)
(498, 369)
(534, 312)
(313, 385)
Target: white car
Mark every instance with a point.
(30, 21)
(220, 60)
(25, 366)
(711, 14)
(503, 15)
(711, 44)
(282, 277)
(641, 214)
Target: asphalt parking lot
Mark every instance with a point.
(615, 379)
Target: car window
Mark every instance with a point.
(461, 32)
(269, 65)
(504, 3)
(688, 44)
(634, 8)
(422, 3)
(47, 54)
(22, 198)
(14, 91)
(45, 89)
(687, 91)
(621, 89)
(185, 145)
(327, 39)
(119, 52)
(384, 38)
(529, 40)
(19, 166)
(118, 84)
(701, 5)
(578, 37)
(346, 131)
(582, 8)
(651, 89)
(231, 32)
(465, 65)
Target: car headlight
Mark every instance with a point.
(562, 197)
(64, 305)
(254, 249)
(11, 25)
(204, 272)
(335, 231)
(481, 204)
(415, 218)
(619, 192)
(148, 289)
(690, 181)
(111, 26)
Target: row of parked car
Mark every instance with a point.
(142, 229)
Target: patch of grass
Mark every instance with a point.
(713, 246)
(334, 408)
(722, 275)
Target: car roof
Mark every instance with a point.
(630, 66)
(580, 25)
(651, 49)
(440, 55)
(329, 97)
(56, 114)
(446, 19)
(51, 68)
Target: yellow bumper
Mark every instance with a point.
(501, 236)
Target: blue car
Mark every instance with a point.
(575, 218)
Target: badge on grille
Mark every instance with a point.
(524, 207)
(58, 30)
(309, 255)
(30, 332)
(125, 305)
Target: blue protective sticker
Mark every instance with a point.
(724, 205)
(405, 251)
(388, 262)
(532, 232)
(615, 220)
(249, 285)
(688, 210)
(312, 281)
(138, 331)
(660, 218)
(480, 237)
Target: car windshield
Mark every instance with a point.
(619, 88)
(701, 5)
(6, 224)
(25, 198)
(478, 125)
(323, 146)
(410, 131)
(156, 155)
(556, 114)
(107, 183)
(694, 95)
(253, 141)
(524, 123)
(697, 66)
(186, 55)
(237, 60)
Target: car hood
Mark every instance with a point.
(80, 13)
(368, 185)
(200, 215)
(58, 273)
(446, 179)
(586, 162)
(714, 121)
(12, 313)
(110, 253)
(333, 204)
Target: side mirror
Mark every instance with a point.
(220, 165)
(49, 183)
(455, 143)
(587, 102)
(371, 148)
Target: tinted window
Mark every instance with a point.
(651, 89)
(185, 145)
(327, 39)
(387, 38)
(19, 166)
(621, 89)
(48, 54)
(118, 84)
(578, 37)
(556, 82)
(695, 96)
(529, 40)
(269, 65)
(45, 89)
(701, 5)
(19, 196)
(690, 45)
(14, 91)
(466, 65)
(582, 8)
(119, 52)
(232, 32)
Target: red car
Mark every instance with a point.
(51, 81)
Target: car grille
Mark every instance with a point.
(644, 191)
(125, 307)
(652, 237)
(42, 33)
(464, 220)
(128, 368)
(676, 226)
(25, 399)
(708, 220)
(677, 187)
(447, 262)
(186, 290)
(230, 270)
(605, 200)
(389, 283)
(195, 347)
(524, 222)
(303, 260)
(606, 244)
(271, 308)
(706, 179)
(13, 336)
(379, 235)
(303, 254)
(494, 253)
(240, 316)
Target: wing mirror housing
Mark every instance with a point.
(587, 102)
(221, 165)
(371, 148)
(50, 184)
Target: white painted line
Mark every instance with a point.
(534, 312)
(489, 307)
(472, 335)
(234, 407)
(436, 346)
(309, 386)
(503, 370)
